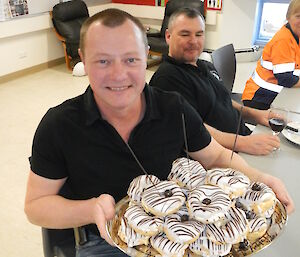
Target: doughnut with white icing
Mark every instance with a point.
(139, 184)
(129, 236)
(233, 231)
(208, 203)
(231, 181)
(142, 222)
(166, 247)
(206, 248)
(180, 228)
(257, 227)
(258, 198)
(187, 173)
(163, 199)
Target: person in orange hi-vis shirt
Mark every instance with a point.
(279, 65)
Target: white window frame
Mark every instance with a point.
(257, 40)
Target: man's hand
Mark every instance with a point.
(280, 191)
(104, 210)
(261, 117)
(258, 144)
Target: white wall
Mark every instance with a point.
(30, 41)
(235, 24)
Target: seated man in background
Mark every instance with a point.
(199, 83)
(90, 143)
(279, 64)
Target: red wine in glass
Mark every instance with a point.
(277, 124)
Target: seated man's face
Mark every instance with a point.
(115, 61)
(186, 39)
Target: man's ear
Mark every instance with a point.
(81, 55)
(167, 36)
(82, 59)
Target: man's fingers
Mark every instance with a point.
(107, 203)
(101, 224)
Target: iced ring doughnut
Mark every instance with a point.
(257, 227)
(205, 247)
(164, 198)
(129, 236)
(166, 247)
(139, 184)
(233, 231)
(142, 222)
(231, 181)
(187, 173)
(208, 203)
(181, 229)
(258, 198)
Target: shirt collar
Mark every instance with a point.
(200, 65)
(93, 114)
(288, 26)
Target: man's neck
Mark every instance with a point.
(194, 63)
(125, 120)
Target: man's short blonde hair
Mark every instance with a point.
(110, 18)
(294, 7)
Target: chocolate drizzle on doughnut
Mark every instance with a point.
(256, 187)
(168, 193)
(184, 218)
(244, 245)
(157, 201)
(206, 201)
(250, 215)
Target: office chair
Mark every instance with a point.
(225, 63)
(156, 41)
(67, 18)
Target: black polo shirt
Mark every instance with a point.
(203, 89)
(73, 141)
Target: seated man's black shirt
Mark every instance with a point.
(203, 89)
(73, 141)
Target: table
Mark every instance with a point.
(284, 164)
(288, 98)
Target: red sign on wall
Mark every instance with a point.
(142, 2)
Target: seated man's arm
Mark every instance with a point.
(259, 144)
(44, 207)
(214, 155)
(259, 116)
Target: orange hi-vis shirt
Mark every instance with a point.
(278, 67)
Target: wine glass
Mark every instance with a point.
(277, 119)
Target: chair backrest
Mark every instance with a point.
(225, 63)
(173, 5)
(67, 18)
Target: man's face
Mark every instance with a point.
(186, 39)
(115, 60)
(294, 21)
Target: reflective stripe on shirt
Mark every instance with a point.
(284, 67)
(278, 68)
(296, 73)
(267, 85)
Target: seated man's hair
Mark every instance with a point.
(110, 18)
(186, 11)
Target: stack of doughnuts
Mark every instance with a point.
(195, 212)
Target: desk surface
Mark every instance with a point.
(284, 164)
(288, 98)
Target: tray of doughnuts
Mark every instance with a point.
(195, 212)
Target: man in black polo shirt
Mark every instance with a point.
(85, 143)
(199, 83)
